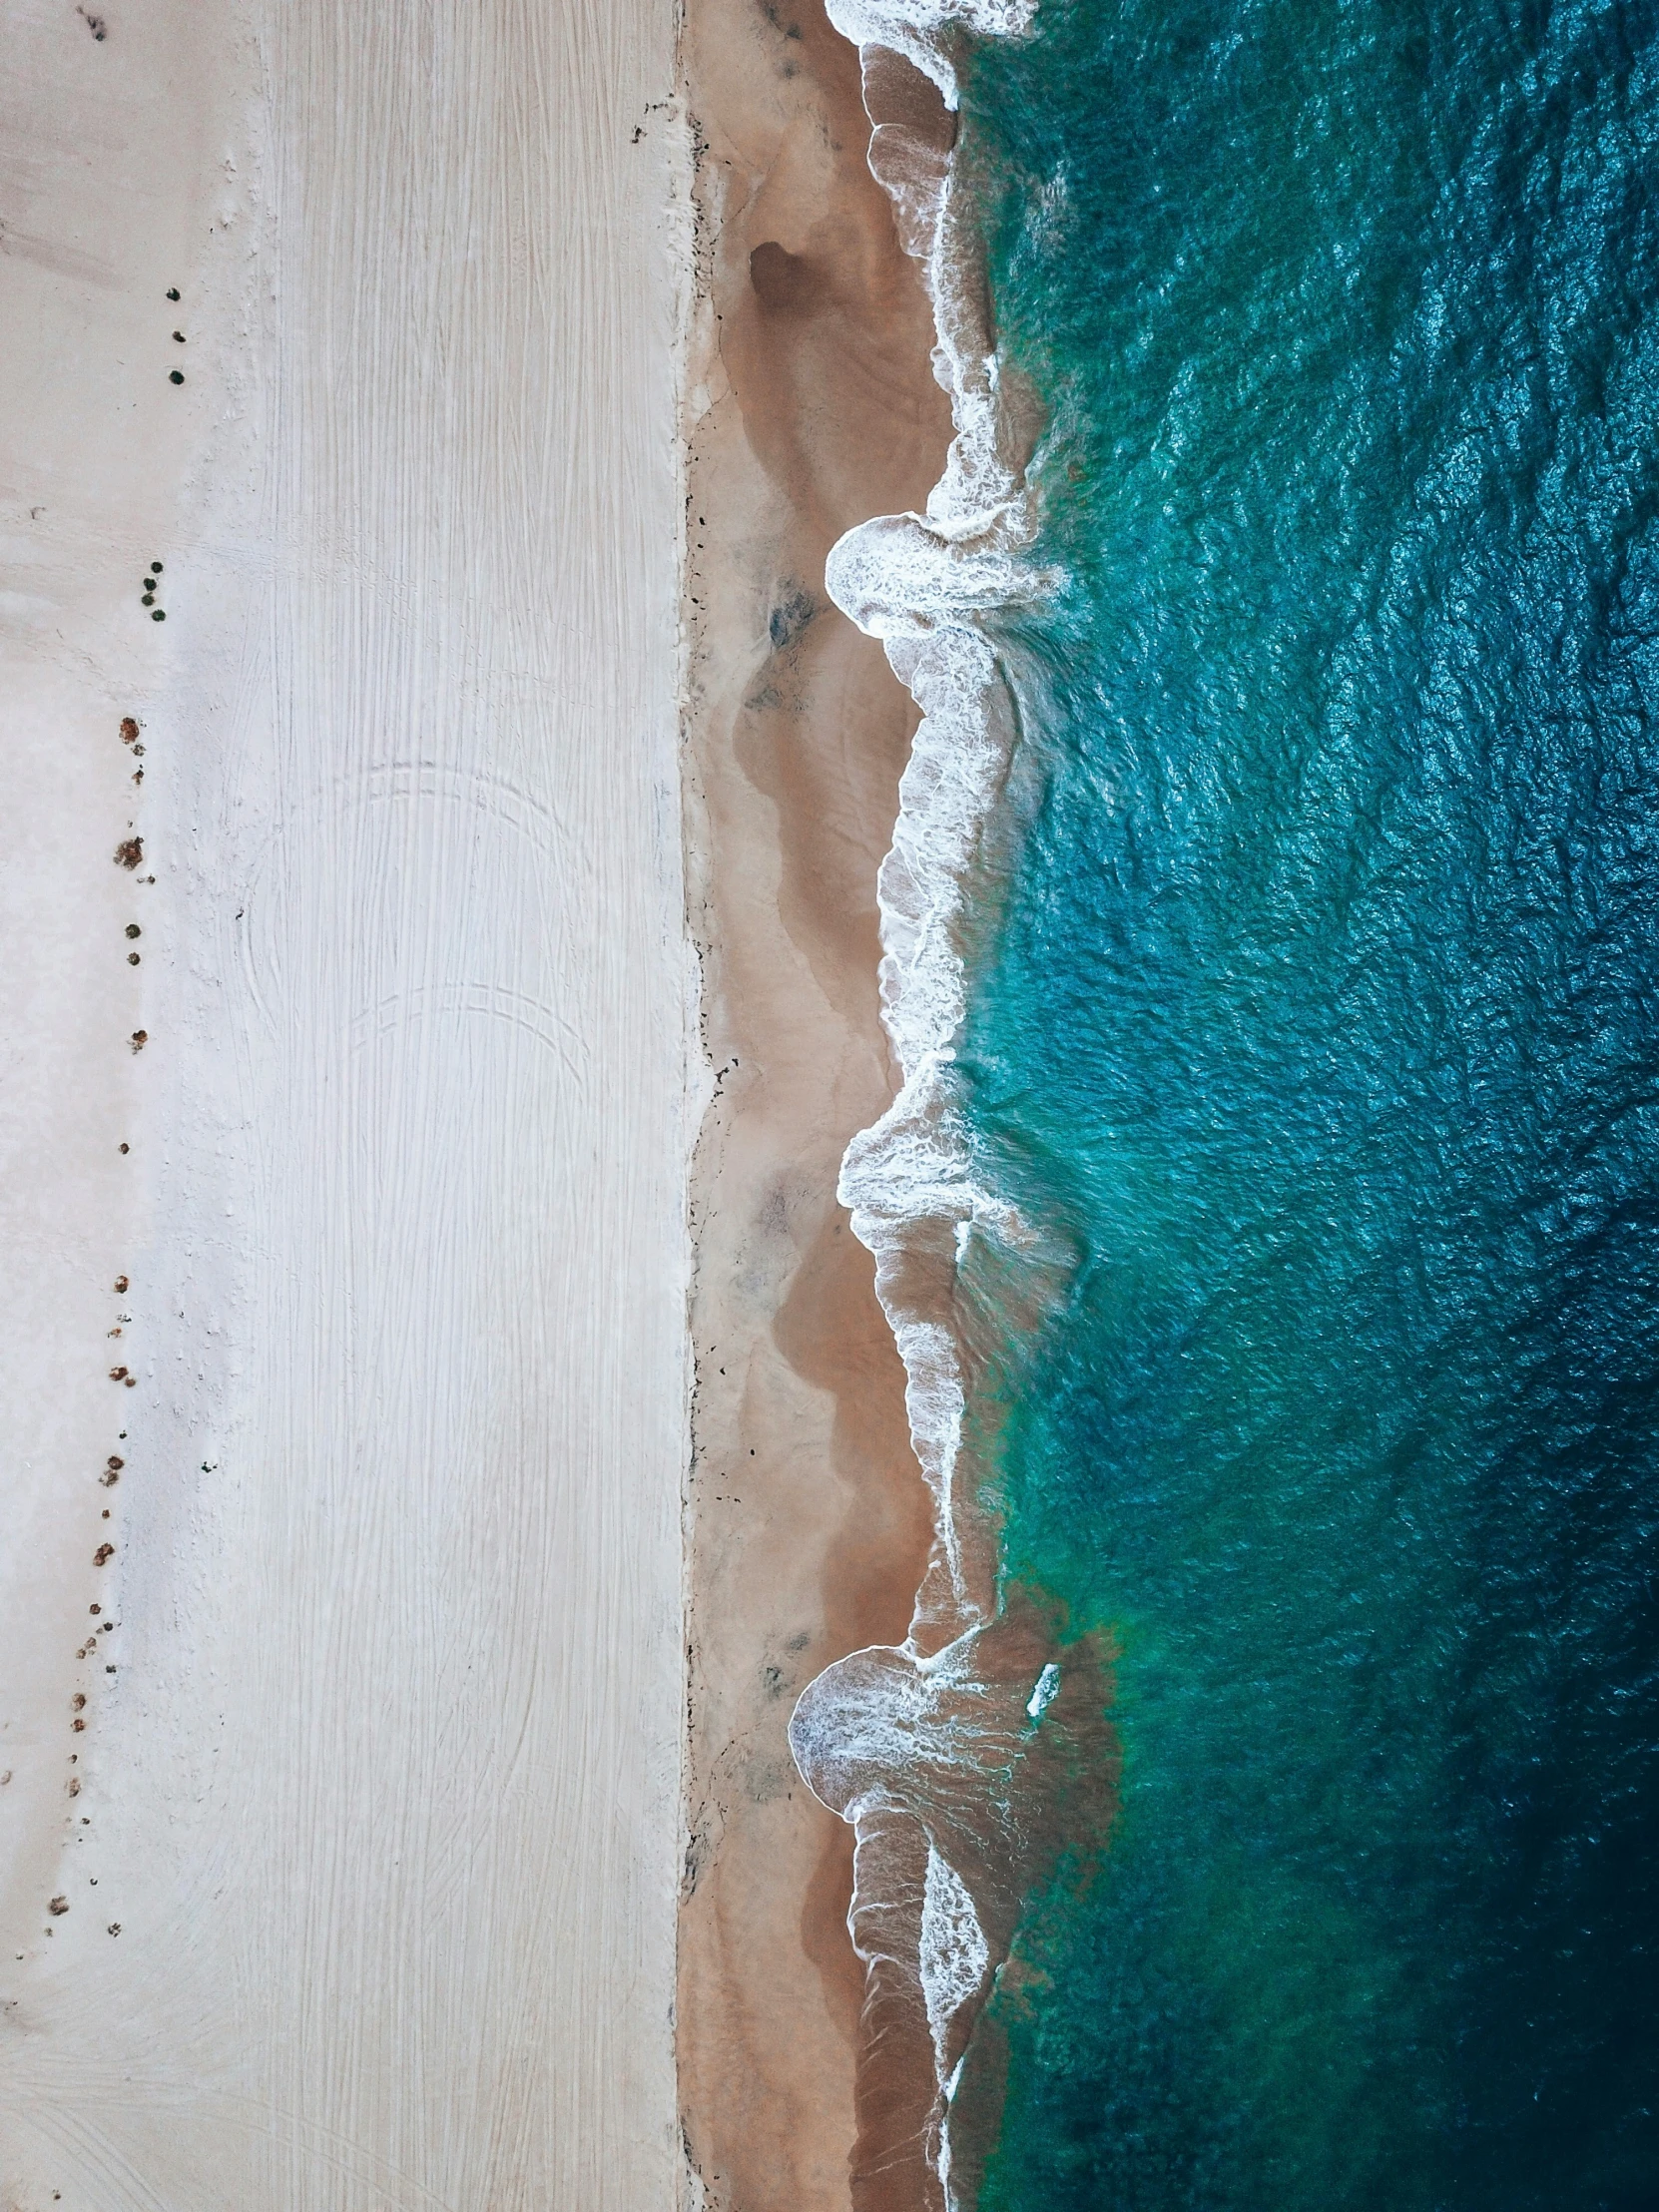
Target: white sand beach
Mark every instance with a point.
(378, 1776)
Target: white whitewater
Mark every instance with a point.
(933, 1731)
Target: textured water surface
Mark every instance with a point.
(1320, 1021)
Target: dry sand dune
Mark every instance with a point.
(378, 1776)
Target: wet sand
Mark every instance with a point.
(812, 406)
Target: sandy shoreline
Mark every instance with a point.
(382, 1792)
(812, 407)
(377, 1764)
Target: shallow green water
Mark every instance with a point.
(1323, 1018)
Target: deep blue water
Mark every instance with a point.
(1321, 1017)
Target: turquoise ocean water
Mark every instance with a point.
(1320, 1023)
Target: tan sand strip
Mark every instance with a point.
(811, 407)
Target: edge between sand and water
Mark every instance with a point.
(958, 1735)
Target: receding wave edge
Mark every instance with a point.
(919, 1746)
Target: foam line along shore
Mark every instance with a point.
(811, 406)
(962, 1755)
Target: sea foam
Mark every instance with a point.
(923, 1746)
(923, 30)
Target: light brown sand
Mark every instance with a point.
(812, 408)
(382, 1793)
